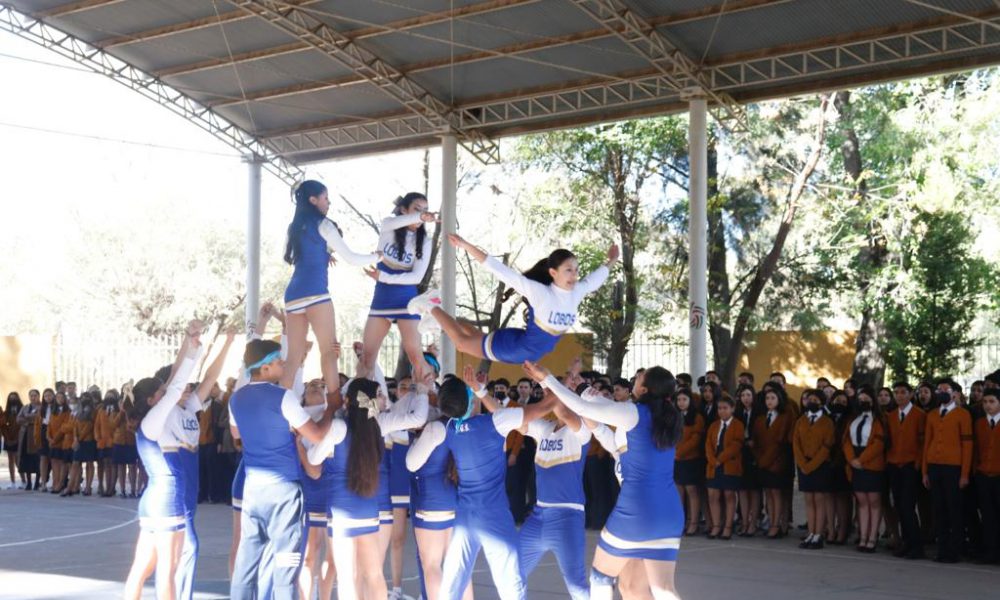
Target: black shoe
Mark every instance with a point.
(816, 544)
(805, 543)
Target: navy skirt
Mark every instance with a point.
(124, 454)
(749, 480)
(730, 483)
(819, 481)
(771, 480)
(865, 481)
(85, 452)
(689, 472)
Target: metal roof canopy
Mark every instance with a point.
(298, 81)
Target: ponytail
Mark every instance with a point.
(667, 423)
(403, 203)
(305, 212)
(366, 446)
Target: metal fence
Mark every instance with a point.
(112, 360)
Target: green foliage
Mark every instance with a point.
(942, 287)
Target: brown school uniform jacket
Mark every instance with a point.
(907, 437)
(9, 428)
(103, 431)
(731, 457)
(84, 430)
(56, 431)
(769, 443)
(948, 441)
(67, 429)
(206, 427)
(692, 444)
(987, 448)
(122, 436)
(872, 458)
(812, 442)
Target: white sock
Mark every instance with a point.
(812, 538)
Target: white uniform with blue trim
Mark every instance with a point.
(557, 522)
(553, 312)
(400, 270)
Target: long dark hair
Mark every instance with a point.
(142, 392)
(86, 407)
(305, 213)
(366, 447)
(778, 391)
(877, 413)
(667, 425)
(691, 416)
(403, 203)
(14, 404)
(58, 409)
(756, 406)
(453, 398)
(540, 270)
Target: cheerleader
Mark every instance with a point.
(864, 448)
(771, 436)
(552, 289)
(406, 255)
(812, 441)
(724, 467)
(311, 235)
(483, 519)
(315, 498)
(689, 464)
(193, 401)
(648, 518)
(161, 508)
(749, 408)
(557, 522)
(350, 454)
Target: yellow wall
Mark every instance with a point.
(801, 356)
(25, 363)
(570, 346)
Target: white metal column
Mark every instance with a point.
(252, 303)
(698, 234)
(449, 221)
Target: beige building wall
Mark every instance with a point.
(801, 356)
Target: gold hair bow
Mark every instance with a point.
(368, 403)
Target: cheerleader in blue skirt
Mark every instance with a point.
(311, 236)
(553, 290)
(406, 255)
(162, 507)
(648, 520)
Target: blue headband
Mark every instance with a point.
(266, 360)
(468, 410)
(433, 362)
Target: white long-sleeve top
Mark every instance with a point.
(335, 242)
(405, 258)
(555, 308)
(166, 422)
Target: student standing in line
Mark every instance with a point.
(724, 468)
(987, 438)
(689, 459)
(772, 436)
(812, 441)
(749, 409)
(947, 464)
(864, 448)
(906, 431)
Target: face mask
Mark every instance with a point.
(838, 409)
(813, 406)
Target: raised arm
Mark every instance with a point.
(154, 421)
(393, 223)
(524, 286)
(477, 383)
(215, 369)
(616, 414)
(334, 435)
(408, 412)
(333, 239)
(421, 449)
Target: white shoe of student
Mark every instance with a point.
(424, 303)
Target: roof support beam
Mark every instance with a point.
(387, 78)
(74, 7)
(643, 38)
(49, 37)
(512, 50)
(779, 69)
(356, 34)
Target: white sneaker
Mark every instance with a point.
(428, 325)
(424, 303)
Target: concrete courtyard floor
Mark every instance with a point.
(79, 547)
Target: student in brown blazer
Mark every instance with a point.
(864, 448)
(689, 458)
(772, 437)
(724, 455)
(987, 437)
(906, 430)
(812, 441)
(947, 464)
(749, 410)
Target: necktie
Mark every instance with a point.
(770, 418)
(993, 423)
(812, 419)
(944, 411)
(722, 437)
(857, 432)
(902, 417)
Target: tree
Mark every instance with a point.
(929, 317)
(608, 170)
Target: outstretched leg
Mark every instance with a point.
(465, 341)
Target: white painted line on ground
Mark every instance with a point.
(71, 535)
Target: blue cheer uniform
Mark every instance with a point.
(384, 495)
(558, 523)
(552, 312)
(315, 492)
(400, 270)
(309, 284)
(433, 496)
(399, 476)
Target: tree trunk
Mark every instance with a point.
(626, 216)
(869, 364)
(766, 267)
(719, 293)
